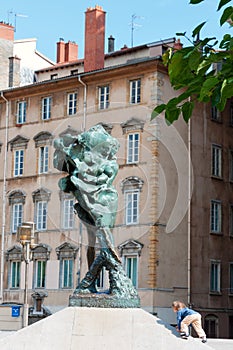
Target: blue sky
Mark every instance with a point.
(48, 20)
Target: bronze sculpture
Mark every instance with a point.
(90, 161)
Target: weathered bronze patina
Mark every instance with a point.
(90, 160)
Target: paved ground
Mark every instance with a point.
(5, 333)
(221, 344)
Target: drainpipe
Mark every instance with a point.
(84, 102)
(4, 198)
(81, 225)
(189, 214)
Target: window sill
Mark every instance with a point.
(216, 233)
(215, 177)
(215, 293)
(219, 121)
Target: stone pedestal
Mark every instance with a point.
(82, 328)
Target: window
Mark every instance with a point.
(66, 253)
(231, 278)
(216, 161)
(131, 269)
(231, 165)
(215, 114)
(215, 217)
(231, 220)
(21, 112)
(40, 256)
(43, 159)
(135, 91)
(130, 250)
(133, 148)
(16, 202)
(67, 273)
(46, 108)
(103, 97)
(100, 282)
(41, 215)
(131, 188)
(132, 207)
(68, 213)
(231, 114)
(14, 256)
(18, 162)
(15, 274)
(72, 103)
(74, 71)
(215, 270)
(211, 326)
(53, 76)
(40, 273)
(41, 198)
(17, 216)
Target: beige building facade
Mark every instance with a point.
(174, 224)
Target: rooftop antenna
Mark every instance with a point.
(134, 25)
(18, 15)
(9, 13)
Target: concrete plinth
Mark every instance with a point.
(81, 328)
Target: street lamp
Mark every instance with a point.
(26, 236)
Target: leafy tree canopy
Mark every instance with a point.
(203, 70)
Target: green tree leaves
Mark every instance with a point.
(200, 71)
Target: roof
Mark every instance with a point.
(122, 51)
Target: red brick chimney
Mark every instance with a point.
(94, 38)
(177, 45)
(71, 51)
(66, 52)
(6, 31)
(61, 51)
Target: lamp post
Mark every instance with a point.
(26, 236)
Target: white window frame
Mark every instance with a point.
(133, 146)
(104, 92)
(130, 264)
(135, 91)
(17, 216)
(68, 213)
(215, 114)
(216, 163)
(67, 273)
(40, 276)
(18, 162)
(72, 103)
(15, 280)
(132, 199)
(43, 165)
(41, 215)
(46, 103)
(215, 216)
(101, 279)
(215, 276)
(21, 112)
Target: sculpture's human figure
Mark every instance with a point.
(90, 160)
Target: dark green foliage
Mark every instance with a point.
(201, 71)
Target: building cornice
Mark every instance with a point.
(128, 68)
